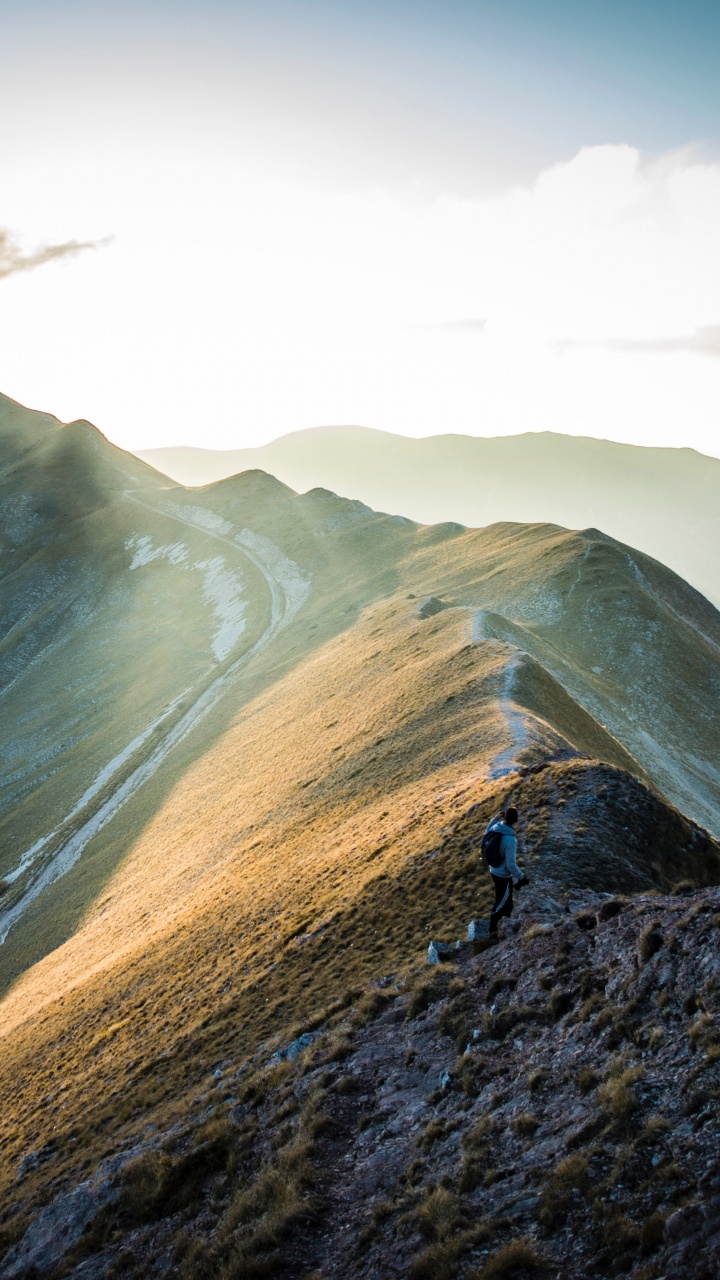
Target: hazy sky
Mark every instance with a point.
(425, 217)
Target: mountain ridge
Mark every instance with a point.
(251, 741)
(661, 500)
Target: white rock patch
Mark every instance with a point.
(223, 589)
(145, 552)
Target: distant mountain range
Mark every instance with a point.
(665, 502)
(249, 742)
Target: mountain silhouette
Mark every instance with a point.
(665, 502)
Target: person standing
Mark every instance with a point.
(499, 846)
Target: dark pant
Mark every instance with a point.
(503, 901)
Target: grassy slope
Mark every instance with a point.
(324, 820)
(319, 842)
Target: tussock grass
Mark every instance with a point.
(538, 1080)
(587, 1079)
(650, 941)
(477, 1149)
(524, 1125)
(617, 1094)
(517, 1258)
(567, 1182)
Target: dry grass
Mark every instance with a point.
(617, 1095)
(524, 1125)
(587, 1079)
(566, 1184)
(309, 841)
(519, 1257)
(538, 1080)
(650, 941)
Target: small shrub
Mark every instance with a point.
(568, 1180)
(611, 908)
(425, 994)
(652, 1131)
(501, 983)
(336, 1048)
(591, 1006)
(525, 1125)
(537, 1080)
(683, 887)
(438, 1215)
(702, 1031)
(618, 1096)
(622, 1234)
(586, 920)
(513, 1259)
(436, 1129)
(439, 1261)
(650, 941)
(372, 1004)
(477, 1146)
(507, 1019)
(560, 1003)
(606, 1017)
(587, 1080)
(537, 931)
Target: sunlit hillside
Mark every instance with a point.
(262, 812)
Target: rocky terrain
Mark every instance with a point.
(544, 1106)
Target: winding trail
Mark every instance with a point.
(288, 587)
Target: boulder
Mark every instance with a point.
(34, 1159)
(292, 1050)
(58, 1227)
(477, 930)
(439, 952)
(684, 1222)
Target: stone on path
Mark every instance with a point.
(439, 952)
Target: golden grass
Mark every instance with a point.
(327, 830)
(277, 875)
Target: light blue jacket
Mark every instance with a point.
(508, 868)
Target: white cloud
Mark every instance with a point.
(234, 306)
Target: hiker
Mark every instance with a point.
(499, 849)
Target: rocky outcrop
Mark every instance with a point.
(552, 1098)
(58, 1227)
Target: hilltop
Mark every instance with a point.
(245, 788)
(665, 502)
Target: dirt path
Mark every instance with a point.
(287, 588)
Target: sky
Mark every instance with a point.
(223, 222)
